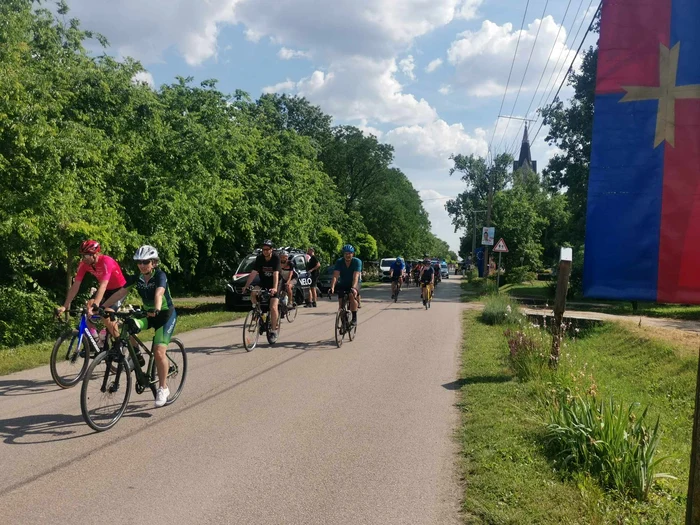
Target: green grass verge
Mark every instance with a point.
(508, 475)
(534, 289)
(190, 317)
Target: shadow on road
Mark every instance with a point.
(459, 383)
(30, 430)
(26, 387)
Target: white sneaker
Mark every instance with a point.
(162, 396)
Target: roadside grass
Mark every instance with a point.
(508, 474)
(191, 315)
(534, 289)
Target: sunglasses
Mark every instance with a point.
(143, 262)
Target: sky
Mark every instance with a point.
(427, 76)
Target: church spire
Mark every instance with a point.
(525, 158)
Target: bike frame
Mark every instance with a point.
(84, 331)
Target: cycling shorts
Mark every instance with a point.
(395, 278)
(163, 323)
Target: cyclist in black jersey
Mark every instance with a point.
(152, 286)
(288, 276)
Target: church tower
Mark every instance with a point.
(525, 159)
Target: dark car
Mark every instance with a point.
(324, 279)
(236, 299)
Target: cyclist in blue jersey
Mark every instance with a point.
(347, 274)
(396, 271)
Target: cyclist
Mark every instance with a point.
(417, 268)
(347, 273)
(267, 266)
(427, 276)
(359, 284)
(152, 286)
(396, 271)
(437, 278)
(313, 266)
(409, 272)
(109, 276)
(289, 276)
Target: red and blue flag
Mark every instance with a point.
(643, 219)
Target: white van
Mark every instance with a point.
(384, 268)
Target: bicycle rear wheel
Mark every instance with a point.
(67, 365)
(291, 314)
(177, 368)
(251, 330)
(351, 329)
(339, 328)
(105, 392)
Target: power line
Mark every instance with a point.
(522, 81)
(517, 44)
(590, 26)
(539, 82)
(562, 53)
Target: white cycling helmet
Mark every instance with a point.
(146, 252)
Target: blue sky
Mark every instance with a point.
(427, 76)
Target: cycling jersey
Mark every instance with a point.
(105, 269)
(427, 275)
(288, 271)
(266, 269)
(347, 272)
(396, 267)
(147, 290)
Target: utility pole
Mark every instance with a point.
(488, 223)
(474, 229)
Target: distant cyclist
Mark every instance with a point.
(109, 277)
(289, 277)
(152, 286)
(267, 266)
(347, 274)
(396, 271)
(427, 277)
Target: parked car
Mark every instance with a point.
(236, 299)
(384, 268)
(324, 279)
(444, 271)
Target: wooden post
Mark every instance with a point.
(692, 508)
(559, 308)
(498, 272)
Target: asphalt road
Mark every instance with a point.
(301, 432)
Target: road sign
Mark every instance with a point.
(500, 246)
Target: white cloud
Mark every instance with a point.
(144, 30)
(360, 88)
(407, 66)
(289, 54)
(373, 28)
(482, 58)
(434, 64)
(445, 89)
(280, 87)
(430, 146)
(144, 77)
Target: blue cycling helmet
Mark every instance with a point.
(348, 248)
(399, 259)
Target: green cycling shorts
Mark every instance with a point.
(163, 323)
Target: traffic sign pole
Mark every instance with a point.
(498, 272)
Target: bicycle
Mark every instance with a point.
(429, 290)
(258, 322)
(290, 311)
(104, 396)
(72, 351)
(398, 290)
(343, 321)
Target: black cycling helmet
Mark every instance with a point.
(268, 242)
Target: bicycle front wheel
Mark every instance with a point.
(351, 329)
(67, 364)
(339, 328)
(251, 330)
(291, 314)
(177, 368)
(105, 392)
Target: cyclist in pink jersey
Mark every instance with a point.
(108, 274)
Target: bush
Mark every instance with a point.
(24, 316)
(520, 274)
(528, 352)
(607, 441)
(499, 309)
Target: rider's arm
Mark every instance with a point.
(355, 279)
(158, 299)
(72, 292)
(101, 291)
(275, 282)
(336, 274)
(115, 297)
(253, 275)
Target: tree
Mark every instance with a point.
(571, 130)
(329, 242)
(366, 246)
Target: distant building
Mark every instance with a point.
(525, 159)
